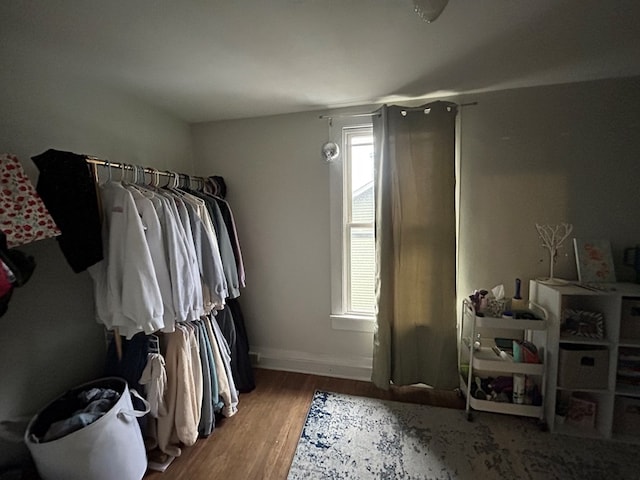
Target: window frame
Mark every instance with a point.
(341, 317)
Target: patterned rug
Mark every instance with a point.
(347, 437)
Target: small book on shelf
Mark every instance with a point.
(582, 411)
(505, 344)
(502, 354)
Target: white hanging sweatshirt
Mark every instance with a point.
(125, 284)
(155, 241)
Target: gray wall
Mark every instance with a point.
(50, 340)
(279, 190)
(567, 153)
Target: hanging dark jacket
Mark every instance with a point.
(67, 188)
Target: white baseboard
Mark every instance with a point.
(353, 368)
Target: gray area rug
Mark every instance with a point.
(348, 437)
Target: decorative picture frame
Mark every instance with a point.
(582, 323)
(594, 261)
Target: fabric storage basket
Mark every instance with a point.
(582, 366)
(107, 449)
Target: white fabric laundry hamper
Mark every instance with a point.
(108, 449)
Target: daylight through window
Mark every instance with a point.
(358, 225)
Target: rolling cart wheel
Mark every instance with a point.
(469, 417)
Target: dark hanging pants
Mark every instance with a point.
(240, 361)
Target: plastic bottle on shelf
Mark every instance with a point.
(477, 344)
(519, 382)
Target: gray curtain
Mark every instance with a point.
(415, 339)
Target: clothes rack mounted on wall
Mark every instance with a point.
(95, 162)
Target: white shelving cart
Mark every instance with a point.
(483, 361)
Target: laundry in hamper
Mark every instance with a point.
(64, 445)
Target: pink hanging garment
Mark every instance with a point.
(5, 282)
(23, 215)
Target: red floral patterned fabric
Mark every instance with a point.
(23, 216)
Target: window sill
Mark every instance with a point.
(353, 323)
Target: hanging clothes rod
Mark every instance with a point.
(150, 171)
(371, 114)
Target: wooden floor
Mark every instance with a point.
(260, 440)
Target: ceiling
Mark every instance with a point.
(205, 60)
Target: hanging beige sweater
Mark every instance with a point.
(187, 424)
(183, 394)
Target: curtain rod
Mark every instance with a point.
(339, 115)
(370, 114)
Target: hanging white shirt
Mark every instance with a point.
(176, 255)
(209, 260)
(197, 302)
(127, 291)
(155, 241)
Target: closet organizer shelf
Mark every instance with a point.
(584, 341)
(629, 342)
(628, 390)
(510, 323)
(617, 398)
(486, 360)
(504, 407)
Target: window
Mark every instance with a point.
(359, 210)
(353, 242)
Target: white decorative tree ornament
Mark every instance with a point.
(552, 237)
